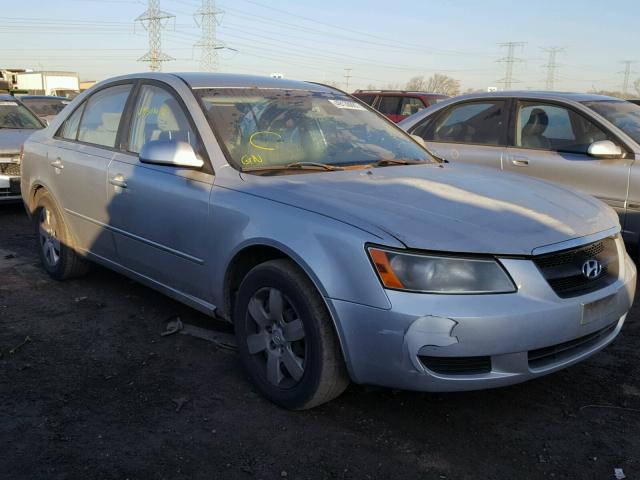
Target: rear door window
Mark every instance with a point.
(368, 99)
(389, 105)
(101, 118)
(479, 123)
(69, 129)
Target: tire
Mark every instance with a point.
(55, 245)
(286, 338)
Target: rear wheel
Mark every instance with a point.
(54, 241)
(286, 338)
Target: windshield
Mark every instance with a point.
(45, 106)
(275, 128)
(14, 115)
(624, 115)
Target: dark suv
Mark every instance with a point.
(398, 104)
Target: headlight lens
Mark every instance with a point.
(435, 274)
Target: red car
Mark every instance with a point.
(398, 104)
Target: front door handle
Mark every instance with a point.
(57, 163)
(118, 181)
(520, 161)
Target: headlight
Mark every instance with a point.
(435, 274)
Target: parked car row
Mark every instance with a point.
(587, 142)
(337, 244)
(17, 122)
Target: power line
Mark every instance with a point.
(207, 19)
(154, 20)
(509, 61)
(627, 73)
(347, 76)
(551, 66)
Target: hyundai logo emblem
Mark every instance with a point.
(591, 269)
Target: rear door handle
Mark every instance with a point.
(57, 163)
(118, 181)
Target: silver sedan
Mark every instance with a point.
(338, 247)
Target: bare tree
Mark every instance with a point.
(437, 83)
(416, 83)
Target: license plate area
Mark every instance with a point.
(598, 310)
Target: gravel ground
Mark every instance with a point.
(96, 393)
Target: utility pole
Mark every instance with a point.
(551, 66)
(510, 60)
(207, 19)
(627, 73)
(154, 20)
(347, 76)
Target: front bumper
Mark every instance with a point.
(9, 188)
(514, 331)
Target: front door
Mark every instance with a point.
(159, 213)
(469, 132)
(551, 142)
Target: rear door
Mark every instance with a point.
(79, 159)
(158, 212)
(470, 132)
(550, 141)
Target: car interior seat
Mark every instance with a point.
(533, 131)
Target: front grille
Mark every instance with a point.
(12, 169)
(457, 365)
(549, 355)
(563, 270)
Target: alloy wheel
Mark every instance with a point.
(276, 337)
(48, 233)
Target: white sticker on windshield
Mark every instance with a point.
(8, 104)
(65, 102)
(347, 104)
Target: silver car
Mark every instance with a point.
(338, 247)
(587, 142)
(17, 122)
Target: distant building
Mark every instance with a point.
(86, 85)
(9, 76)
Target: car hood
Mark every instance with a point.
(444, 207)
(11, 140)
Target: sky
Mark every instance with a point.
(383, 43)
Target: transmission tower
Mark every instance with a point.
(347, 77)
(551, 66)
(207, 18)
(510, 60)
(154, 20)
(627, 73)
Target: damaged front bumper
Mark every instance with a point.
(465, 342)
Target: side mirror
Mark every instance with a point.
(604, 149)
(419, 139)
(171, 153)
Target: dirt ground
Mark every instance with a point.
(97, 393)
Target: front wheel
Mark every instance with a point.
(54, 241)
(286, 338)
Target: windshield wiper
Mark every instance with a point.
(392, 161)
(295, 166)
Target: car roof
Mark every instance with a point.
(6, 97)
(541, 95)
(42, 97)
(399, 92)
(202, 80)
